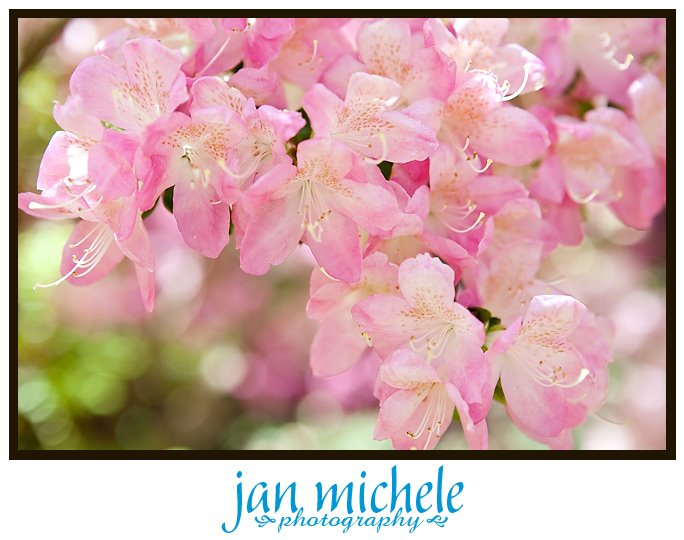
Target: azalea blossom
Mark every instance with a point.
(189, 154)
(539, 359)
(417, 404)
(88, 174)
(426, 319)
(388, 48)
(366, 121)
(322, 201)
(477, 120)
(148, 84)
(338, 344)
(476, 44)
(263, 134)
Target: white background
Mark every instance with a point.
(141, 500)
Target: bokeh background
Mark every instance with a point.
(222, 363)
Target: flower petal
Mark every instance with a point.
(407, 370)
(338, 250)
(337, 345)
(510, 135)
(426, 281)
(536, 409)
(272, 233)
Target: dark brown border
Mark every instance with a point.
(668, 453)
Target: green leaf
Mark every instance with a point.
(499, 394)
(386, 169)
(575, 81)
(109, 125)
(482, 314)
(584, 213)
(167, 198)
(147, 213)
(304, 133)
(584, 107)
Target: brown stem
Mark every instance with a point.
(34, 48)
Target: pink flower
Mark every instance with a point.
(461, 198)
(338, 344)
(414, 233)
(592, 339)
(265, 38)
(477, 45)
(314, 46)
(417, 404)
(262, 141)
(189, 153)
(183, 34)
(93, 250)
(505, 281)
(388, 48)
(148, 85)
(89, 175)
(647, 96)
(219, 50)
(603, 50)
(603, 159)
(589, 152)
(476, 116)
(322, 201)
(542, 368)
(517, 220)
(86, 172)
(263, 85)
(366, 121)
(425, 319)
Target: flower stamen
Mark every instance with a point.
(92, 255)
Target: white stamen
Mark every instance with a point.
(526, 71)
(624, 65)
(72, 246)
(433, 342)
(33, 205)
(612, 49)
(366, 336)
(92, 255)
(325, 273)
(480, 170)
(215, 57)
(610, 53)
(313, 53)
(468, 229)
(545, 374)
(605, 39)
(433, 418)
(243, 175)
(584, 200)
(309, 205)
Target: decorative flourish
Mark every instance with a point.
(264, 520)
(438, 520)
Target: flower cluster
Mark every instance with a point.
(429, 166)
